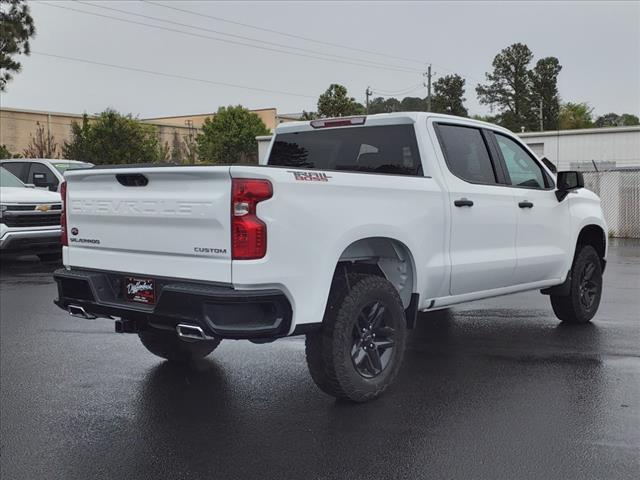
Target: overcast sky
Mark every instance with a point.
(597, 43)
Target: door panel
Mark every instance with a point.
(483, 214)
(543, 236)
(482, 252)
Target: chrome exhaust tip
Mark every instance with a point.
(190, 332)
(77, 311)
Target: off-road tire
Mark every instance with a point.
(571, 308)
(166, 344)
(328, 351)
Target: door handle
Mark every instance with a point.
(525, 204)
(463, 202)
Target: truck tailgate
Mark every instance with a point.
(158, 221)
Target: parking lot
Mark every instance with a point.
(493, 389)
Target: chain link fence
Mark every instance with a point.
(619, 191)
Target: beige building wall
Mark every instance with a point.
(268, 115)
(17, 128)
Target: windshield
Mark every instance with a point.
(7, 179)
(62, 167)
(388, 149)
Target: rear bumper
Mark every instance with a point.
(219, 310)
(31, 241)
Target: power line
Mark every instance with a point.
(306, 50)
(158, 27)
(404, 91)
(170, 75)
(308, 39)
(285, 34)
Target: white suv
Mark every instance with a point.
(42, 172)
(29, 219)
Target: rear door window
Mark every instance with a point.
(466, 153)
(391, 149)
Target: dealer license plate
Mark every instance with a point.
(141, 290)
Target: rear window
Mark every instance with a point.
(388, 149)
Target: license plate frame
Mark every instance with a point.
(140, 290)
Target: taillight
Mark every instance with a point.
(64, 239)
(248, 232)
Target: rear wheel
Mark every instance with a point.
(166, 344)
(358, 352)
(585, 291)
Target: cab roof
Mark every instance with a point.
(395, 118)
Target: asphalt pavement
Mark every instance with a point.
(495, 389)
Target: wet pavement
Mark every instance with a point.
(493, 389)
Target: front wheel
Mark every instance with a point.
(166, 344)
(357, 353)
(585, 291)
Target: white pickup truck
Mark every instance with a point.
(354, 226)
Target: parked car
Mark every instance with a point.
(354, 226)
(29, 219)
(42, 172)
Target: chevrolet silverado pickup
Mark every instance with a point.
(353, 227)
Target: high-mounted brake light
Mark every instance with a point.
(64, 239)
(248, 232)
(338, 122)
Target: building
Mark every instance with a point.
(18, 126)
(268, 115)
(588, 149)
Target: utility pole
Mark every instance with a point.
(428, 85)
(541, 117)
(368, 93)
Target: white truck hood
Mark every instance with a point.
(27, 195)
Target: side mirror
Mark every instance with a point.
(568, 181)
(549, 164)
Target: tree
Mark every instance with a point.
(575, 115)
(413, 104)
(448, 96)
(487, 118)
(384, 105)
(5, 153)
(509, 86)
(615, 120)
(113, 138)
(41, 144)
(544, 87)
(16, 28)
(334, 102)
(308, 115)
(629, 120)
(230, 136)
(177, 150)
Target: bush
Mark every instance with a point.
(230, 136)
